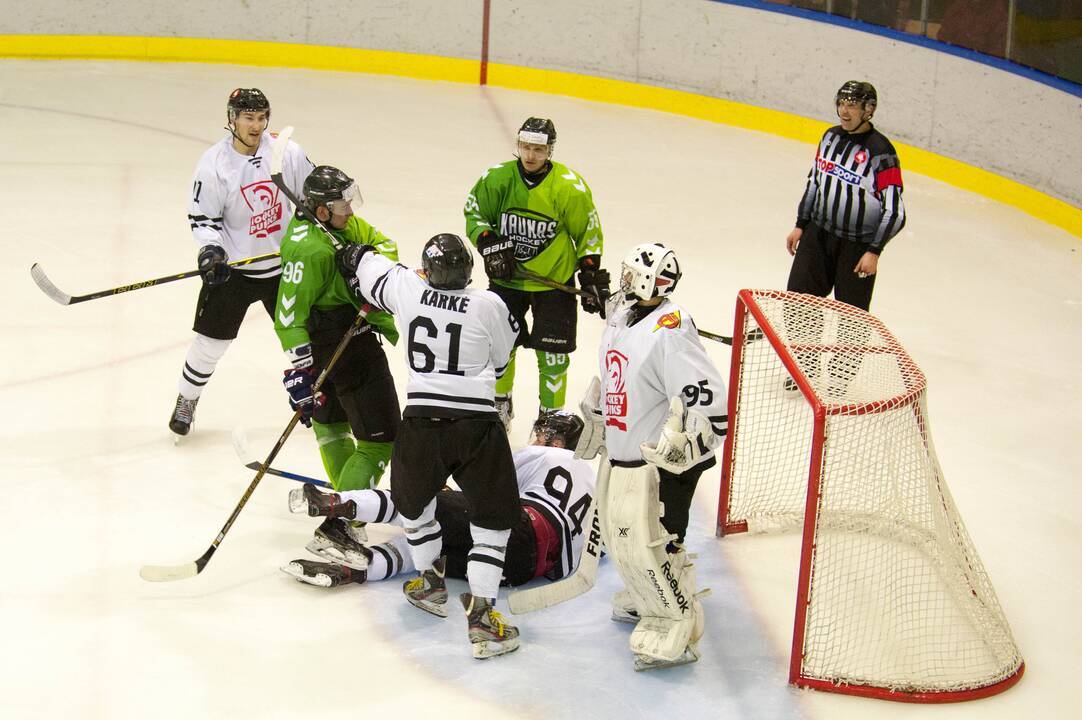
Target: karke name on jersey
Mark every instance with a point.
(442, 301)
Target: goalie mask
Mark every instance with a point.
(331, 188)
(649, 271)
(447, 261)
(554, 426)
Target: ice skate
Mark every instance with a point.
(645, 662)
(428, 590)
(323, 574)
(183, 416)
(311, 500)
(489, 635)
(338, 541)
(505, 408)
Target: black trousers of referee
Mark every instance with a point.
(826, 262)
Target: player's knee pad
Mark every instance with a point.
(661, 585)
(207, 350)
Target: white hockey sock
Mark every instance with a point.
(389, 559)
(373, 506)
(425, 537)
(203, 356)
(484, 566)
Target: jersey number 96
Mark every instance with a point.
(293, 272)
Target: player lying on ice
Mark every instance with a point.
(554, 489)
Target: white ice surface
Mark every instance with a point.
(95, 162)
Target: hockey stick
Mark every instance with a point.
(240, 445)
(521, 602)
(63, 298)
(527, 275)
(168, 573)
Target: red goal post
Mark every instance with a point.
(828, 435)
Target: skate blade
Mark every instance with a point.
(645, 662)
(295, 570)
(626, 618)
(437, 609)
(337, 554)
(490, 648)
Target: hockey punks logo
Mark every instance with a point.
(262, 199)
(615, 392)
(670, 321)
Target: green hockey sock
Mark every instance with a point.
(505, 383)
(365, 467)
(336, 447)
(552, 380)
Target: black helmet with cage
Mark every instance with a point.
(554, 426)
(447, 262)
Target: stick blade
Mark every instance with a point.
(42, 280)
(543, 596)
(278, 149)
(168, 573)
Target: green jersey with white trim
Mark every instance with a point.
(310, 278)
(553, 223)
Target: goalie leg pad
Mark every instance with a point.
(592, 439)
(661, 586)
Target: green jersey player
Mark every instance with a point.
(536, 215)
(356, 415)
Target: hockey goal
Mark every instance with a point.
(829, 435)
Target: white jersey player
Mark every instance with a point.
(660, 412)
(236, 212)
(458, 341)
(555, 490)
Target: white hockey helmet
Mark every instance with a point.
(649, 271)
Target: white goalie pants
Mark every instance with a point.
(662, 585)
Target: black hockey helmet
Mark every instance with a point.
(538, 131)
(246, 100)
(552, 425)
(857, 91)
(447, 261)
(326, 184)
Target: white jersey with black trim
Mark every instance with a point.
(642, 366)
(457, 341)
(234, 203)
(561, 487)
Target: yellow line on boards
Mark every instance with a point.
(431, 67)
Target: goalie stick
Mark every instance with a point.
(521, 602)
(42, 280)
(240, 445)
(527, 275)
(169, 573)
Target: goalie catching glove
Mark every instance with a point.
(300, 382)
(686, 437)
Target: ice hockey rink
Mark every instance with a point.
(96, 163)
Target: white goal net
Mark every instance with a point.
(829, 436)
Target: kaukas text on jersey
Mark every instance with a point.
(528, 234)
(440, 301)
(832, 168)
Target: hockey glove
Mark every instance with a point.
(498, 253)
(686, 437)
(213, 265)
(595, 283)
(592, 438)
(300, 381)
(347, 259)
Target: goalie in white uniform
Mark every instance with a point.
(660, 413)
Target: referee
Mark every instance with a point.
(852, 205)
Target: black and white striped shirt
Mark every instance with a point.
(457, 341)
(854, 189)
